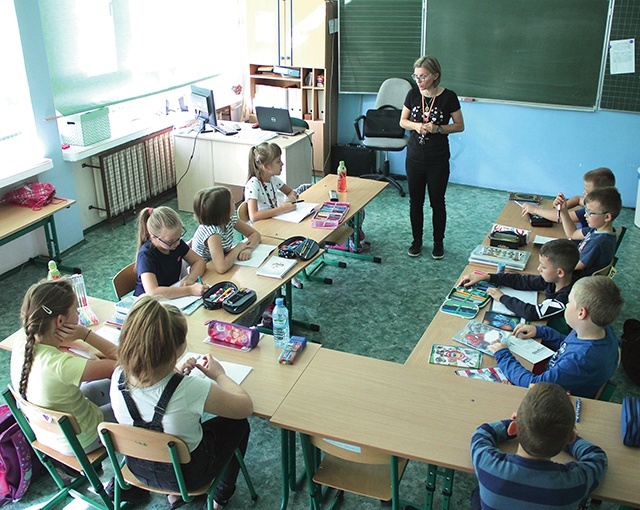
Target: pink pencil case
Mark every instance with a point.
(232, 335)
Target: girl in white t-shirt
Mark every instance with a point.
(153, 338)
(261, 190)
(213, 240)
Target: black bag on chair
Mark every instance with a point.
(383, 122)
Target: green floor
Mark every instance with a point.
(377, 310)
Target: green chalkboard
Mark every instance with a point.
(527, 51)
(378, 39)
(622, 91)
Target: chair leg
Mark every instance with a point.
(245, 473)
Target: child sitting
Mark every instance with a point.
(161, 250)
(529, 479)
(598, 240)
(260, 192)
(47, 375)
(557, 260)
(593, 179)
(587, 357)
(153, 338)
(213, 240)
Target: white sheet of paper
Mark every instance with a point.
(258, 256)
(528, 296)
(109, 333)
(543, 239)
(235, 371)
(622, 56)
(303, 209)
(184, 301)
(529, 349)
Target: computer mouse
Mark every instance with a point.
(255, 126)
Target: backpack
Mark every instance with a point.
(16, 459)
(630, 350)
(33, 194)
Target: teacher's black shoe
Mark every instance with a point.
(438, 251)
(414, 249)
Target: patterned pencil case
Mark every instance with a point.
(232, 335)
(299, 247)
(630, 421)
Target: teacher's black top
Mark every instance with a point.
(440, 114)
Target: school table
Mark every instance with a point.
(359, 193)
(430, 417)
(16, 221)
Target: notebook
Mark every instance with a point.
(278, 120)
(276, 267)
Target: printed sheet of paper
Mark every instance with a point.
(622, 56)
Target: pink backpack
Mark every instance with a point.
(16, 459)
(32, 194)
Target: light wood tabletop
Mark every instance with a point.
(359, 193)
(429, 416)
(14, 218)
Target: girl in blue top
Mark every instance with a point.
(215, 210)
(161, 250)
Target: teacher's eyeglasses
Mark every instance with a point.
(171, 244)
(421, 77)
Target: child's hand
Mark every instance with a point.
(197, 289)
(467, 280)
(495, 293)
(496, 346)
(524, 331)
(529, 209)
(187, 366)
(187, 280)
(292, 197)
(210, 367)
(561, 201)
(69, 332)
(245, 254)
(288, 206)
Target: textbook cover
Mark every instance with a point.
(455, 356)
(493, 255)
(528, 198)
(276, 267)
(480, 336)
(493, 374)
(501, 321)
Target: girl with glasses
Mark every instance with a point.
(430, 113)
(161, 250)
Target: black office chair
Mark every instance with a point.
(385, 135)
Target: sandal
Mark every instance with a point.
(177, 503)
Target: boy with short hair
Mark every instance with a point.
(587, 357)
(557, 260)
(529, 479)
(598, 240)
(593, 179)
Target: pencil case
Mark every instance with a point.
(539, 221)
(232, 335)
(240, 300)
(299, 247)
(630, 421)
(217, 293)
(504, 240)
(291, 351)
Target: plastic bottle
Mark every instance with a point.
(342, 178)
(53, 273)
(280, 317)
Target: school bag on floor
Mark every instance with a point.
(16, 459)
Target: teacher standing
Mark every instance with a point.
(431, 113)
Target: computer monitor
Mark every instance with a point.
(204, 106)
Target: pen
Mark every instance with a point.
(298, 201)
(558, 207)
(518, 203)
(578, 408)
(200, 279)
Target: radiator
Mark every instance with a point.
(131, 175)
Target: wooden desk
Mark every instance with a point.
(359, 193)
(429, 416)
(16, 221)
(220, 159)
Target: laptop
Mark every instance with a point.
(278, 120)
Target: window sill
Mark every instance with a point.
(31, 169)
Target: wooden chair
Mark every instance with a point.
(32, 420)
(159, 447)
(605, 271)
(358, 470)
(125, 281)
(620, 232)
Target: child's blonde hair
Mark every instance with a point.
(600, 296)
(151, 336)
(260, 155)
(212, 206)
(41, 305)
(152, 220)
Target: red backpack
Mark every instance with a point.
(16, 459)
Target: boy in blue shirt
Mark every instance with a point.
(598, 240)
(557, 260)
(529, 479)
(587, 357)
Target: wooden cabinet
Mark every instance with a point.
(296, 35)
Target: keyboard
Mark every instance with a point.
(225, 131)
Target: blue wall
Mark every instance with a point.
(528, 149)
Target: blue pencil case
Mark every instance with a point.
(630, 421)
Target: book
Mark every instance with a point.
(455, 356)
(543, 239)
(258, 255)
(526, 296)
(302, 210)
(124, 305)
(459, 308)
(529, 198)
(493, 255)
(503, 321)
(480, 336)
(493, 374)
(276, 267)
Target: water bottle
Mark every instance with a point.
(342, 178)
(280, 317)
(53, 273)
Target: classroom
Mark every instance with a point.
(540, 149)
